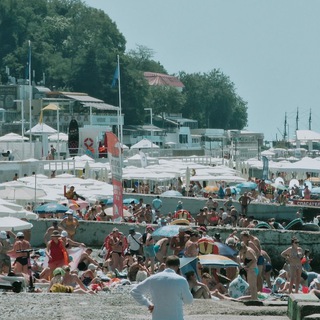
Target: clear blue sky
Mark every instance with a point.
(270, 49)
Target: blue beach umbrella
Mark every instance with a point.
(52, 207)
(129, 200)
(225, 250)
(167, 231)
(247, 185)
(171, 193)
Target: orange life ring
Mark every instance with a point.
(88, 142)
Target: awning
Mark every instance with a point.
(83, 98)
(100, 106)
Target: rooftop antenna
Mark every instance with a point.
(310, 120)
(297, 119)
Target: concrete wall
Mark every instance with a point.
(93, 233)
(259, 210)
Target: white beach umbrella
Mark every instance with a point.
(12, 137)
(15, 190)
(14, 224)
(62, 137)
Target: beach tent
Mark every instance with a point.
(144, 144)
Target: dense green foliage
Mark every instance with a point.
(76, 47)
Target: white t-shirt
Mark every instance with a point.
(133, 244)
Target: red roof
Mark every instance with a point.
(159, 79)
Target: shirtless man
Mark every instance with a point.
(86, 259)
(49, 231)
(191, 247)
(201, 219)
(244, 200)
(178, 242)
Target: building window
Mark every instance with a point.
(183, 138)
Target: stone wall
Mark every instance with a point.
(93, 233)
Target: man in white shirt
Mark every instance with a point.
(134, 241)
(168, 292)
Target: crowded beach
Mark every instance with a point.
(236, 267)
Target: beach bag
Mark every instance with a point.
(238, 287)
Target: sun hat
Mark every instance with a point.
(281, 272)
(3, 235)
(55, 233)
(148, 227)
(115, 229)
(92, 267)
(64, 234)
(20, 235)
(69, 211)
(231, 241)
(58, 271)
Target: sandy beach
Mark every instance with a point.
(120, 306)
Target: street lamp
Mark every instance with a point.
(22, 124)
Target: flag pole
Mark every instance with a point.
(120, 109)
(30, 97)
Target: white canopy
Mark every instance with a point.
(307, 135)
(144, 144)
(41, 128)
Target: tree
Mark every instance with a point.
(142, 59)
(212, 100)
(165, 99)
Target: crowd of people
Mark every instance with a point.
(138, 256)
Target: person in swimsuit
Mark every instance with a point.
(293, 256)
(86, 259)
(116, 243)
(5, 246)
(21, 263)
(70, 224)
(249, 259)
(148, 247)
(89, 275)
(254, 243)
(68, 243)
(72, 280)
(49, 231)
(178, 242)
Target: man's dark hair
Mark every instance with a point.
(172, 261)
(189, 274)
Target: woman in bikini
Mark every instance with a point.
(116, 243)
(72, 280)
(293, 256)
(249, 259)
(70, 224)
